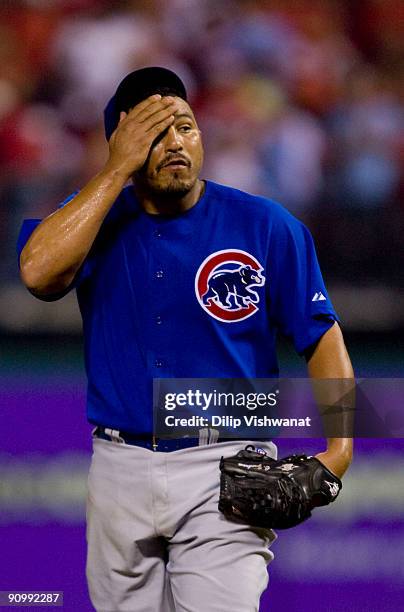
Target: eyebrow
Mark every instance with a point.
(188, 115)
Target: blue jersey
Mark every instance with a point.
(195, 295)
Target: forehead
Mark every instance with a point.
(184, 108)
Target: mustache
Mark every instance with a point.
(174, 158)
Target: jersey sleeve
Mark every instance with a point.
(27, 228)
(300, 306)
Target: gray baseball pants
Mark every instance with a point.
(156, 540)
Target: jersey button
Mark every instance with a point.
(159, 274)
(158, 363)
(159, 320)
(157, 233)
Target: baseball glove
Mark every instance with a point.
(264, 492)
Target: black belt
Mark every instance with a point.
(149, 441)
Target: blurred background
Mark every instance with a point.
(299, 101)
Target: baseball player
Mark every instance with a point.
(175, 277)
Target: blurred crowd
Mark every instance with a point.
(298, 100)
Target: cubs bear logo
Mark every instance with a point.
(223, 285)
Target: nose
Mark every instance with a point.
(172, 139)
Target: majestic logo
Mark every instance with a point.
(223, 285)
(318, 297)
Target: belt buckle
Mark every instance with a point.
(114, 435)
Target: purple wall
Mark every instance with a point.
(348, 557)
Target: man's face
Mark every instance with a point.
(176, 156)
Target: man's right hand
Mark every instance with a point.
(59, 245)
(130, 143)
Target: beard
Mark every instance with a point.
(173, 185)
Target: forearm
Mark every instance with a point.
(59, 245)
(330, 360)
(338, 455)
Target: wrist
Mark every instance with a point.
(336, 462)
(115, 173)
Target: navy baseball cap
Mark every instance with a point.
(138, 86)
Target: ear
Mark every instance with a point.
(122, 116)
